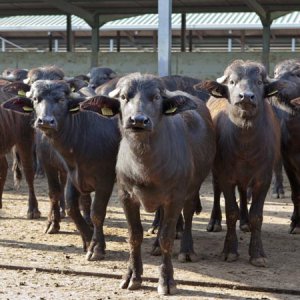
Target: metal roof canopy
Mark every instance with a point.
(97, 12)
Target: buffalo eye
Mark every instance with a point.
(259, 82)
(231, 82)
(156, 97)
(123, 97)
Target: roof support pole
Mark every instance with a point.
(95, 41)
(69, 33)
(164, 37)
(266, 22)
(183, 32)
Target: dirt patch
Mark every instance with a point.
(54, 266)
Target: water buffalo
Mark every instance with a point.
(17, 132)
(289, 72)
(11, 74)
(248, 145)
(88, 145)
(100, 75)
(166, 151)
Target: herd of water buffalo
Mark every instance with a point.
(158, 137)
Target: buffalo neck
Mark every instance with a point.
(162, 151)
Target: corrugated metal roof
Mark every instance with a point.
(200, 21)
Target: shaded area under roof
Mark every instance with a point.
(195, 21)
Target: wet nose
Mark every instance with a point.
(139, 120)
(46, 121)
(247, 96)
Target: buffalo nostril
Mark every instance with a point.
(146, 121)
(51, 122)
(40, 121)
(252, 97)
(241, 95)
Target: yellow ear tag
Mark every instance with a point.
(21, 93)
(171, 110)
(273, 93)
(105, 111)
(27, 108)
(74, 109)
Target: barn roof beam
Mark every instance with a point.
(69, 8)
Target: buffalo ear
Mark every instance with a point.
(19, 104)
(17, 88)
(273, 88)
(74, 105)
(176, 102)
(214, 88)
(103, 105)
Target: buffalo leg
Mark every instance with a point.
(277, 182)
(85, 207)
(55, 193)
(230, 250)
(186, 246)
(72, 202)
(244, 216)
(96, 249)
(256, 252)
(132, 280)
(214, 224)
(3, 174)
(62, 203)
(26, 157)
(295, 187)
(166, 283)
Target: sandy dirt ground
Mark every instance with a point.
(34, 265)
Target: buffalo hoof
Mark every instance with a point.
(52, 228)
(33, 214)
(156, 251)
(294, 229)
(245, 227)
(230, 257)
(259, 262)
(167, 289)
(152, 230)
(131, 283)
(94, 255)
(187, 257)
(214, 227)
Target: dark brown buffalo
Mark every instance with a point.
(16, 131)
(248, 143)
(99, 76)
(11, 74)
(289, 71)
(88, 145)
(166, 151)
(44, 73)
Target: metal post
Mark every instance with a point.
(183, 31)
(164, 37)
(191, 40)
(111, 45)
(95, 41)
(118, 41)
(50, 41)
(155, 41)
(229, 42)
(69, 33)
(293, 45)
(56, 45)
(3, 45)
(266, 40)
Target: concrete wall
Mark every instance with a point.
(201, 65)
